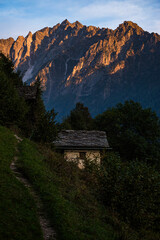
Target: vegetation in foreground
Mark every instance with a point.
(64, 189)
(115, 201)
(17, 208)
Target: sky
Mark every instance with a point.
(18, 17)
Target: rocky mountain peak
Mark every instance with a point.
(131, 24)
(77, 24)
(20, 38)
(5, 45)
(128, 26)
(99, 67)
(29, 35)
(65, 22)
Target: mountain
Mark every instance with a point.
(97, 66)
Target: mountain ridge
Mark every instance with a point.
(97, 66)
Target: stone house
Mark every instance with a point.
(81, 145)
(29, 93)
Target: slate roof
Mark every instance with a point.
(72, 139)
(28, 92)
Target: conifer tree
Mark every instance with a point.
(79, 118)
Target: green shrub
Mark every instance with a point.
(132, 190)
(132, 131)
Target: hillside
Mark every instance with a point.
(112, 202)
(17, 207)
(68, 202)
(99, 67)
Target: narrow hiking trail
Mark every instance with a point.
(47, 229)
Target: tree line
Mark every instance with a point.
(30, 117)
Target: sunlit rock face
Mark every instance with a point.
(99, 67)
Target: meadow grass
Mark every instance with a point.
(69, 202)
(18, 217)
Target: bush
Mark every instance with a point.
(132, 131)
(132, 190)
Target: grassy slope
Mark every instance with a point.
(17, 208)
(72, 208)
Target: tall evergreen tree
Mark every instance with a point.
(79, 118)
(43, 122)
(13, 107)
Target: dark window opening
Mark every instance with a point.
(82, 155)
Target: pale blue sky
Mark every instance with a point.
(18, 17)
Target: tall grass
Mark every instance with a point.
(18, 217)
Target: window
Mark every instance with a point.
(82, 155)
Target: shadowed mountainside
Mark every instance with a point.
(97, 66)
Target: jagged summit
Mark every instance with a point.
(29, 34)
(65, 22)
(97, 66)
(129, 25)
(76, 24)
(8, 39)
(19, 38)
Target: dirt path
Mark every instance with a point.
(47, 229)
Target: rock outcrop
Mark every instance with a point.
(97, 66)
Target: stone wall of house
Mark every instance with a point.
(80, 155)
